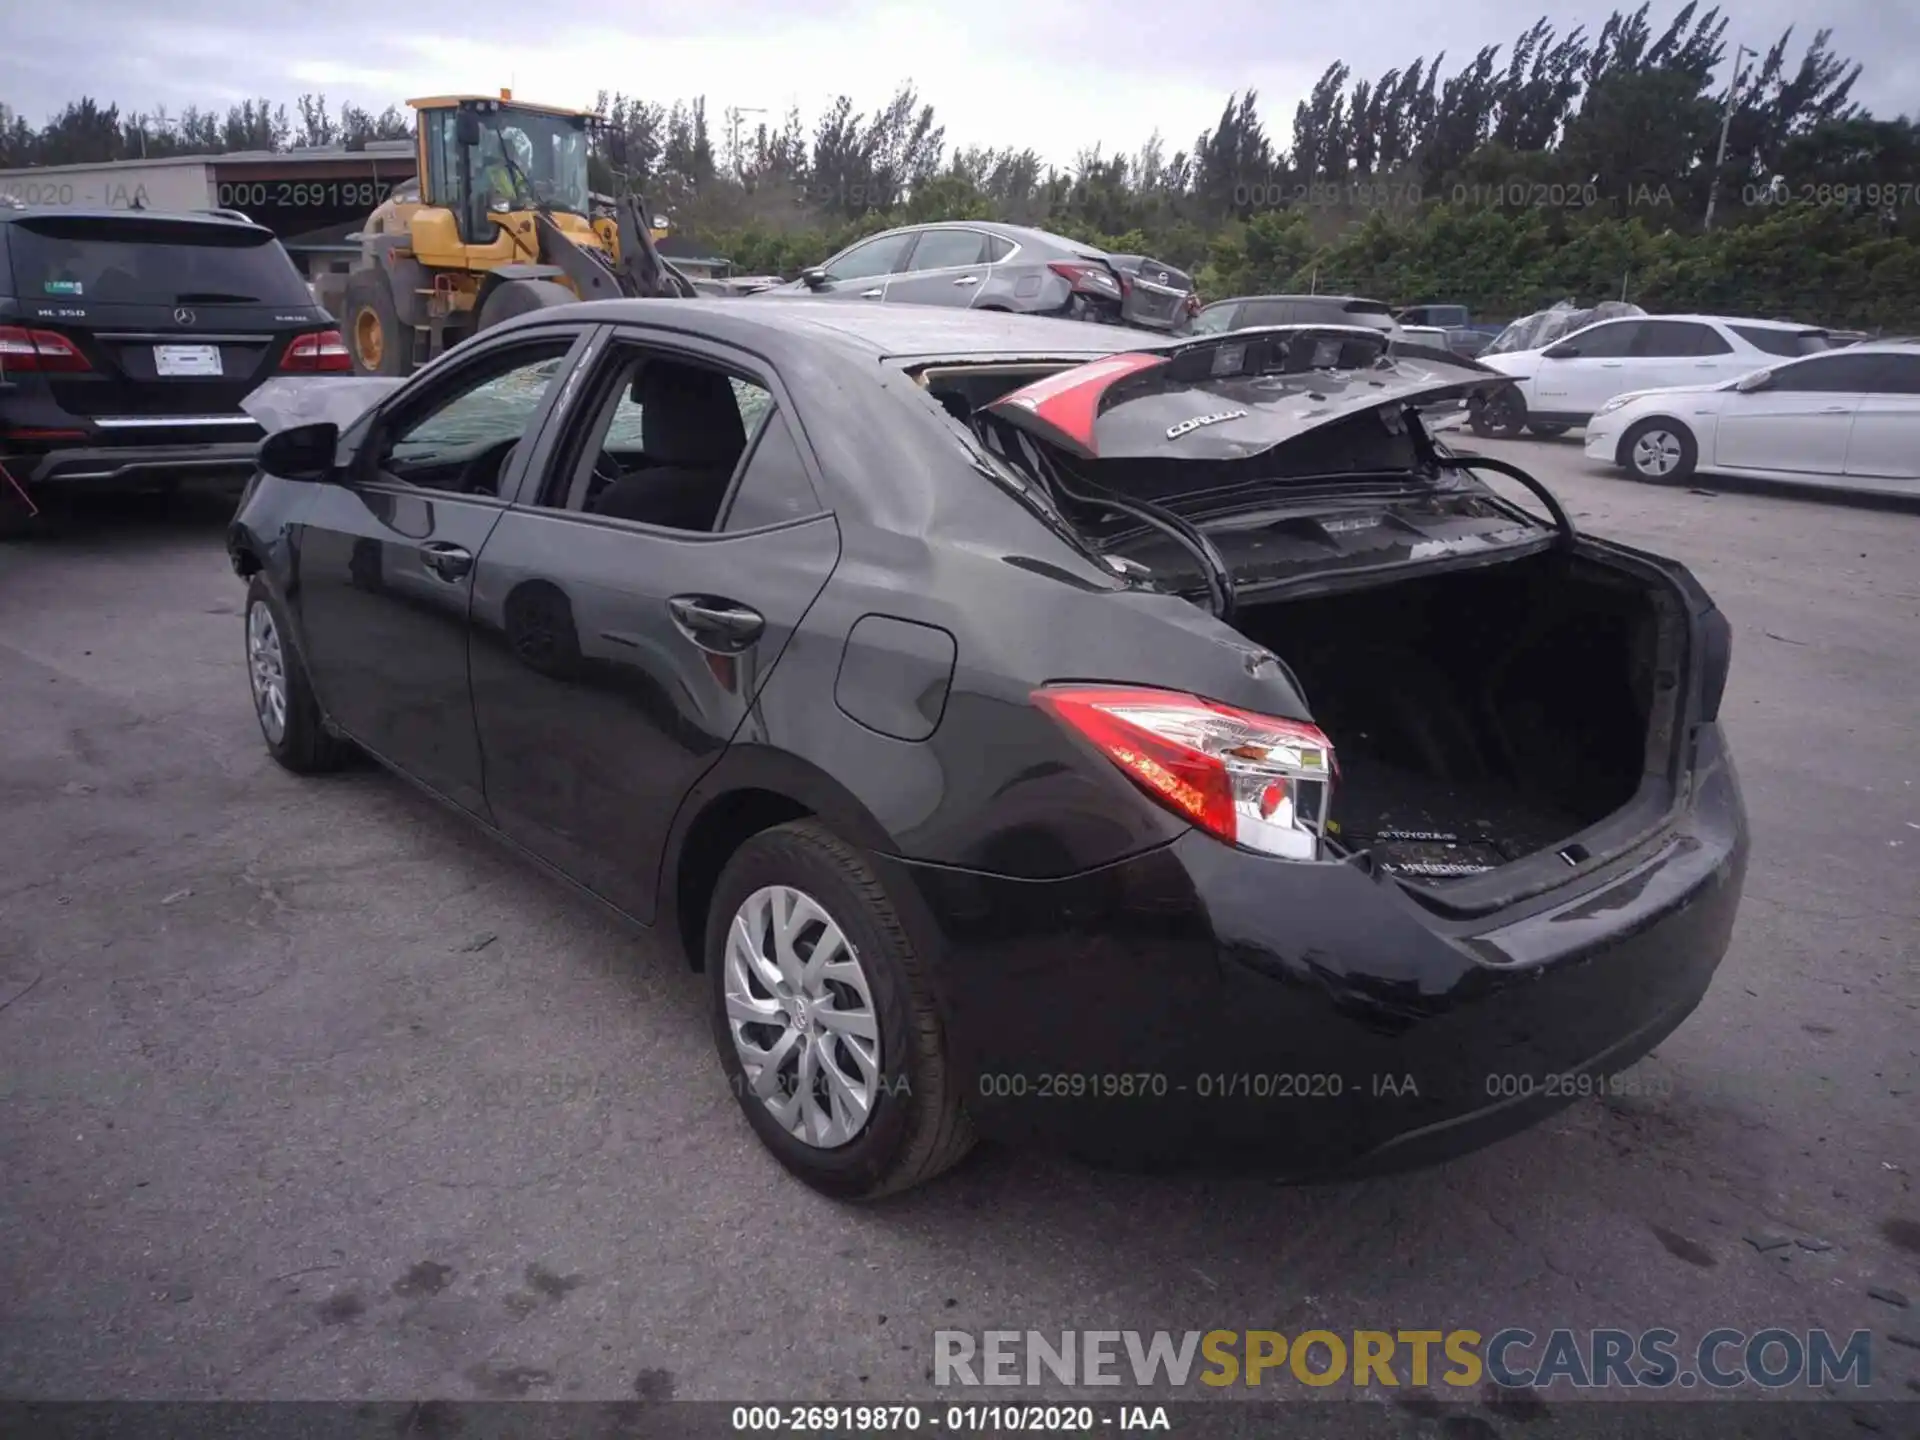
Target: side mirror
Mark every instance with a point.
(304, 452)
(814, 277)
(1562, 352)
(1759, 380)
(466, 129)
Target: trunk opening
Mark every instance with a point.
(1483, 715)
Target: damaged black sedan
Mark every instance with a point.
(1167, 751)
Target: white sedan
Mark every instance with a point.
(1844, 417)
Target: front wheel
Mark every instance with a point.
(824, 1017)
(283, 701)
(1660, 452)
(1500, 415)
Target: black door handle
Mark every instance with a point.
(724, 627)
(449, 562)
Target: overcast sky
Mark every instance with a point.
(1057, 75)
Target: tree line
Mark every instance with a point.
(1566, 162)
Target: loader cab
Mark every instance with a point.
(482, 157)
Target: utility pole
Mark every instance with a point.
(1726, 122)
(733, 115)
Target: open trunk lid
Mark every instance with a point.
(1230, 397)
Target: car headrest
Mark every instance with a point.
(689, 416)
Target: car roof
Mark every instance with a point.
(881, 331)
(103, 212)
(1791, 327)
(1024, 233)
(1328, 299)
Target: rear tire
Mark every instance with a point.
(521, 297)
(912, 1125)
(283, 701)
(372, 327)
(1659, 452)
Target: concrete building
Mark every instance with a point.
(310, 198)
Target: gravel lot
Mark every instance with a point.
(312, 1091)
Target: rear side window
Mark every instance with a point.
(998, 248)
(1899, 375)
(1271, 312)
(774, 486)
(946, 249)
(1366, 312)
(1783, 342)
(151, 262)
(1661, 339)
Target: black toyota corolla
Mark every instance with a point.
(1167, 752)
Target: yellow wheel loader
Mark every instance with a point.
(499, 221)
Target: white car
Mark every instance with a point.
(1846, 417)
(1563, 384)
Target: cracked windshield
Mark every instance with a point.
(859, 724)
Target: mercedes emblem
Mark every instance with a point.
(183, 317)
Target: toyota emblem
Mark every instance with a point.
(183, 317)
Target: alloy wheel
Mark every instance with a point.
(1657, 453)
(267, 670)
(802, 1017)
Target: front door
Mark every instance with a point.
(862, 272)
(1590, 368)
(386, 558)
(1800, 421)
(627, 610)
(1885, 441)
(945, 267)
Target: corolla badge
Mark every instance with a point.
(1187, 427)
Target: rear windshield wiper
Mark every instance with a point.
(214, 297)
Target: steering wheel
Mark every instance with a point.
(481, 474)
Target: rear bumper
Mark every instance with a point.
(134, 466)
(1198, 1005)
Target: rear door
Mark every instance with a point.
(385, 556)
(178, 319)
(1680, 352)
(1884, 443)
(946, 266)
(1800, 423)
(617, 649)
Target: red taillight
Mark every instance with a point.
(40, 351)
(1089, 278)
(319, 353)
(1251, 780)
